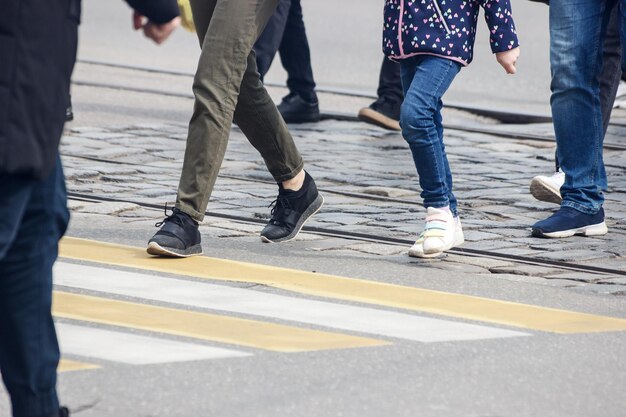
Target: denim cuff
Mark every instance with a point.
(580, 207)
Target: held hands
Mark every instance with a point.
(157, 32)
(508, 59)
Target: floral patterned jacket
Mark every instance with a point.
(446, 28)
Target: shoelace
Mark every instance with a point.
(174, 217)
(278, 210)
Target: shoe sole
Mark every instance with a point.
(458, 240)
(371, 116)
(313, 208)
(158, 250)
(543, 192)
(599, 229)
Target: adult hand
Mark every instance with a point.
(158, 32)
(508, 59)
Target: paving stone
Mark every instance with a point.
(524, 269)
(111, 208)
(617, 290)
(613, 280)
(587, 277)
(377, 249)
(479, 261)
(388, 192)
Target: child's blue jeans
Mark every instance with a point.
(425, 79)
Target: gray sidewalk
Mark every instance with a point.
(141, 164)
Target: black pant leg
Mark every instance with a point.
(295, 55)
(389, 85)
(268, 43)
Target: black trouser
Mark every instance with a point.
(285, 34)
(389, 86)
(33, 217)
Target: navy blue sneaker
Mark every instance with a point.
(569, 222)
(179, 236)
(291, 210)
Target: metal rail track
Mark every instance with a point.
(507, 117)
(364, 237)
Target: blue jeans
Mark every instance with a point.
(33, 217)
(577, 33)
(425, 79)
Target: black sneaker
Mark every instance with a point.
(383, 112)
(296, 109)
(291, 210)
(569, 222)
(179, 237)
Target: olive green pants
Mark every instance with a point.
(227, 87)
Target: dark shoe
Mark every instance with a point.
(296, 109)
(69, 114)
(569, 222)
(63, 412)
(179, 237)
(291, 210)
(383, 112)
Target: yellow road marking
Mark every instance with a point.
(258, 334)
(67, 365)
(410, 298)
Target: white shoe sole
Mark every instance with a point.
(599, 229)
(543, 191)
(417, 251)
(311, 211)
(158, 250)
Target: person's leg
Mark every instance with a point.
(389, 85)
(295, 55)
(230, 28)
(425, 80)
(34, 217)
(301, 104)
(385, 111)
(227, 85)
(577, 32)
(548, 187)
(268, 43)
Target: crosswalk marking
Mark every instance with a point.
(436, 302)
(133, 349)
(68, 365)
(203, 326)
(237, 300)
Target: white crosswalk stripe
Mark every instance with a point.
(133, 349)
(242, 301)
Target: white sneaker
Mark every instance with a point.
(441, 232)
(548, 189)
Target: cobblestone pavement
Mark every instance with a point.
(141, 163)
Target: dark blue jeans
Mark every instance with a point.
(425, 79)
(33, 217)
(285, 34)
(578, 30)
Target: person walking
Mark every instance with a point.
(385, 111)
(433, 44)
(548, 187)
(578, 31)
(228, 87)
(285, 33)
(38, 54)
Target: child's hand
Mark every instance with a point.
(508, 59)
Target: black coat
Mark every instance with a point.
(38, 40)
